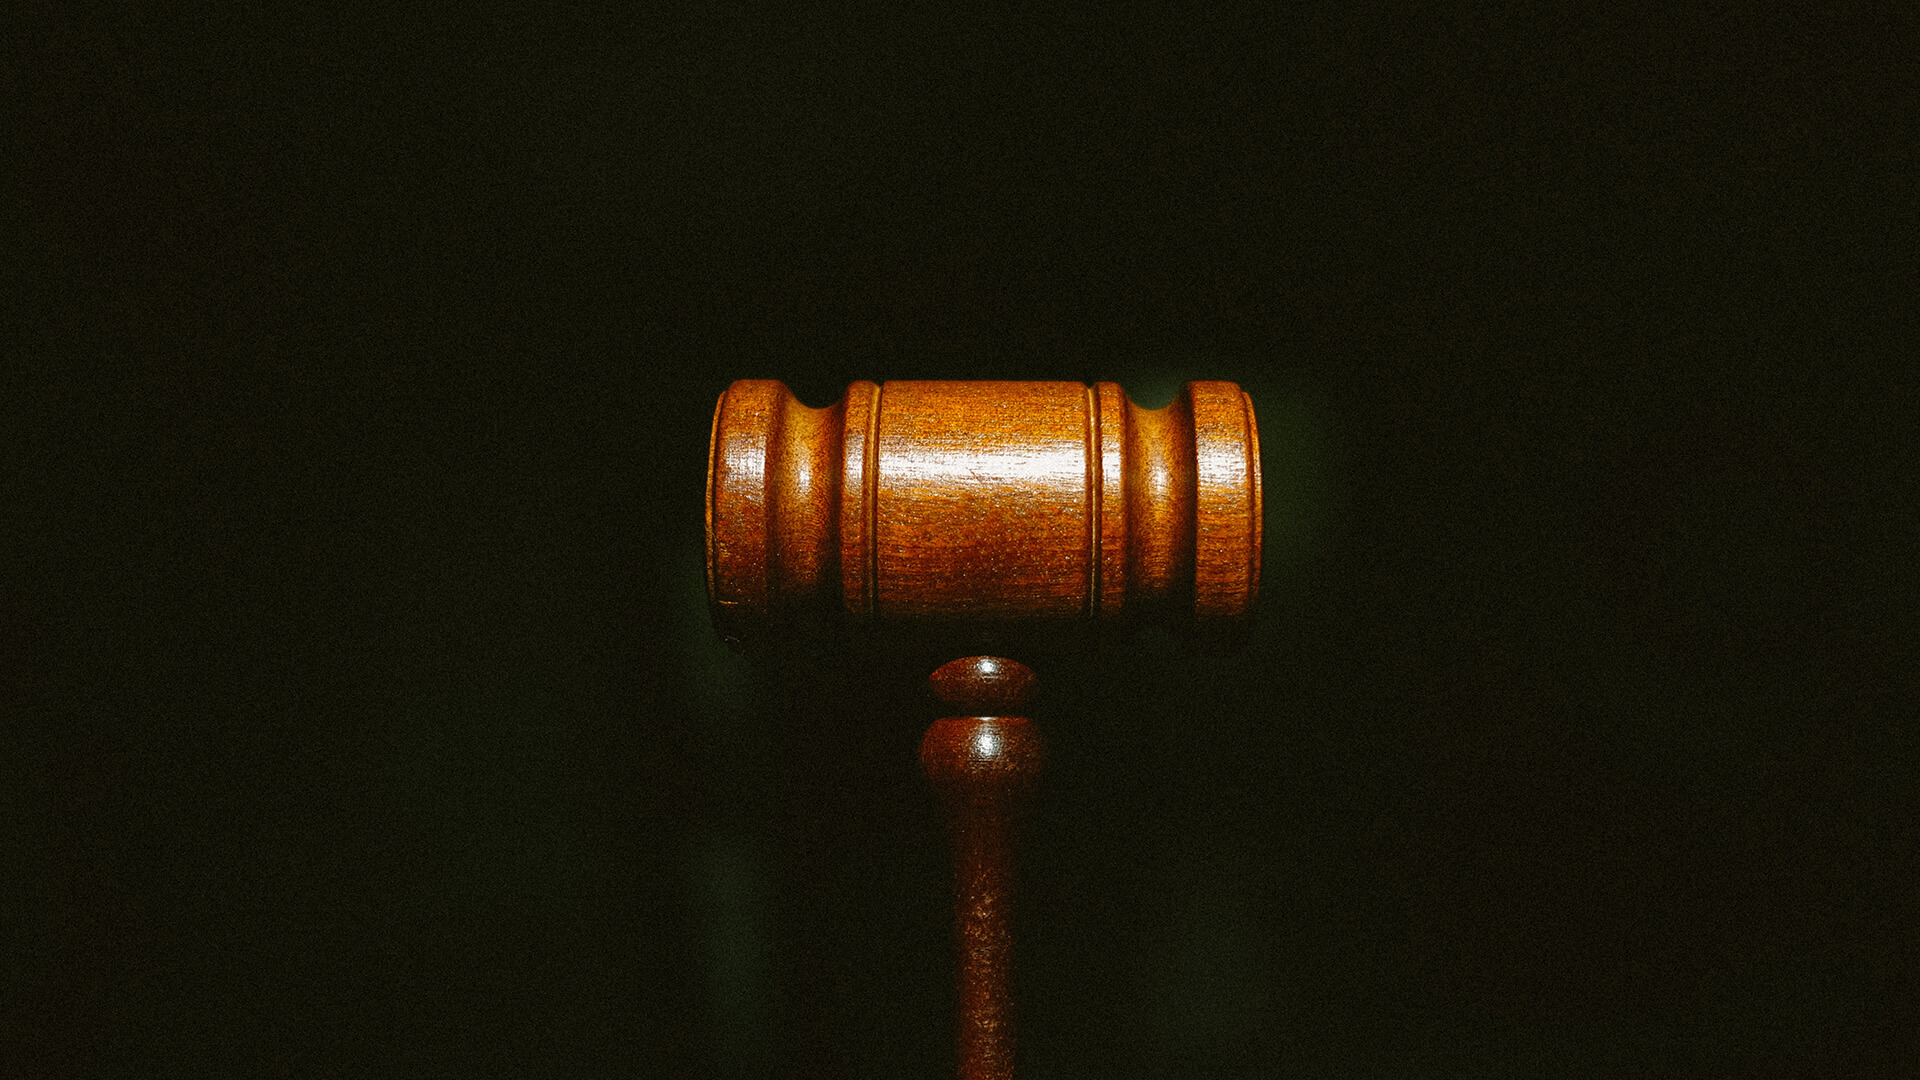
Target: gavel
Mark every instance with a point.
(949, 509)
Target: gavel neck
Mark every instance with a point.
(985, 767)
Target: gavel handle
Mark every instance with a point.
(984, 768)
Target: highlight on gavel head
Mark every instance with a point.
(1000, 503)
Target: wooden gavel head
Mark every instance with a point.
(1004, 503)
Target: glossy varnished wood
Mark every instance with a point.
(984, 767)
(929, 504)
(986, 503)
(985, 684)
(983, 501)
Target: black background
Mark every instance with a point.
(363, 708)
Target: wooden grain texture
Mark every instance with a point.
(985, 768)
(982, 501)
(985, 503)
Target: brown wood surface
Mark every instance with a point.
(1029, 502)
(984, 768)
(983, 501)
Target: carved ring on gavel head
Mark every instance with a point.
(1018, 502)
